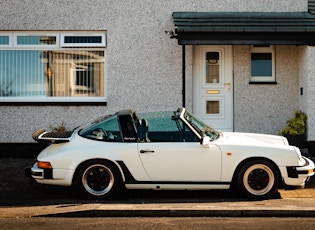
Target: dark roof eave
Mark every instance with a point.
(246, 38)
(244, 28)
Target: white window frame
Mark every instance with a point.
(264, 49)
(14, 46)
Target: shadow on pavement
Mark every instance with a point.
(15, 190)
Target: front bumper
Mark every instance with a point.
(297, 175)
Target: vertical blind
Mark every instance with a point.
(38, 65)
(57, 73)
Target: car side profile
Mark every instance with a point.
(166, 150)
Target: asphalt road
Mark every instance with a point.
(201, 223)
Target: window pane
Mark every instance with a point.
(83, 39)
(53, 73)
(104, 130)
(261, 64)
(163, 128)
(21, 74)
(212, 67)
(36, 40)
(213, 107)
(4, 40)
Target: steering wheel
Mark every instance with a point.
(98, 134)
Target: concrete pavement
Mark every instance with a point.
(19, 199)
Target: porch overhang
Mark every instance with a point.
(244, 28)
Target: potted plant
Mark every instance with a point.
(61, 128)
(295, 131)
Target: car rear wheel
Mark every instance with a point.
(99, 179)
(258, 179)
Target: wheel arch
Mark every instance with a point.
(242, 163)
(113, 163)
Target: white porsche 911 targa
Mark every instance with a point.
(166, 150)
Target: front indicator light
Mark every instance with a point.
(310, 171)
(44, 165)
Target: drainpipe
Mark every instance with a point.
(172, 35)
(183, 76)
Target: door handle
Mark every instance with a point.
(146, 151)
(229, 86)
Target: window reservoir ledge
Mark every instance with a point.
(263, 83)
(54, 101)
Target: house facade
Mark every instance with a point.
(240, 65)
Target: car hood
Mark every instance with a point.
(253, 139)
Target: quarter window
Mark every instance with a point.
(37, 67)
(262, 64)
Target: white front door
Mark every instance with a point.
(213, 86)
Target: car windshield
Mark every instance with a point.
(201, 127)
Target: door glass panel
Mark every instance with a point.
(212, 67)
(213, 107)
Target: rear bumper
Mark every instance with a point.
(61, 177)
(37, 173)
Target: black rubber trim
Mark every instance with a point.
(48, 174)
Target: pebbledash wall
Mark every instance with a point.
(143, 66)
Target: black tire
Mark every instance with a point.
(99, 179)
(258, 179)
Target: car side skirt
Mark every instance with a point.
(177, 186)
(132, 183)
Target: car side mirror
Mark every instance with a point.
(205, 141)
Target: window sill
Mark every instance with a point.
(53, 101)
(263, 83)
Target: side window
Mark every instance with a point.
(162, 128)
(104, 130)
(262, 64)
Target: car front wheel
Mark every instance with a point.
(99, 179)
(258, 179)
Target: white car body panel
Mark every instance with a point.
(202, 163)
(170, 160)
(174, 165)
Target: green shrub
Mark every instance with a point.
(296, 125)
(61, 128)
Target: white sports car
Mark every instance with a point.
(166, 150)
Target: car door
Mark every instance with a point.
(180, 161)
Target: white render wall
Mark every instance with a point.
(265, 108)
(307, 81)
(143, 65)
